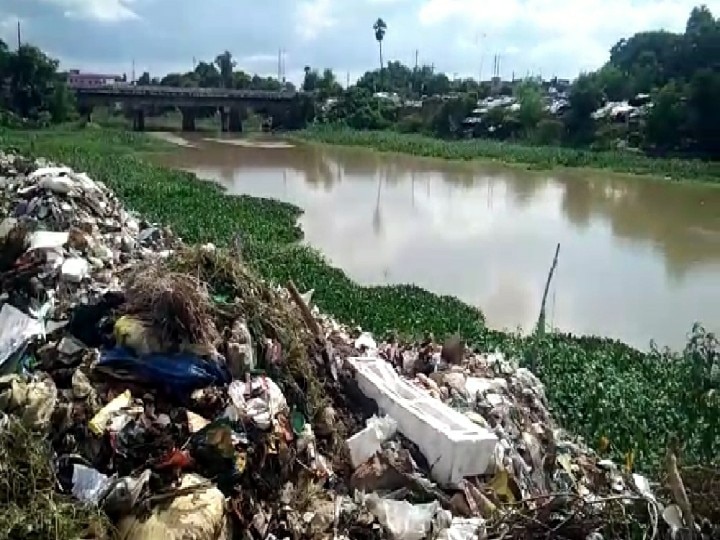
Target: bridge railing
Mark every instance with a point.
(172, 91)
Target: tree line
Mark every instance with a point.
(220, 73)
(31, 87)
(679, 73)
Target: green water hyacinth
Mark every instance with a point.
(597, 388)
(532, 157)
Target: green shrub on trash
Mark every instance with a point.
(599, 389)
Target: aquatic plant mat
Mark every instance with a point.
(30, 506)
(620, 400)
(532, 157)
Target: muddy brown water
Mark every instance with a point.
(639, 259)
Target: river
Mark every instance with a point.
(639, 259)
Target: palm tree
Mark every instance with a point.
(380, 28)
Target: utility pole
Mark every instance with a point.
(279, 64)
(133, 71)
(347, 80)
(18, 33)
(416, 59)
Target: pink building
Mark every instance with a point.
(91, 80)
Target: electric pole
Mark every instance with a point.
(18, 33)
(416, 59)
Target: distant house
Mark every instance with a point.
(76, 79)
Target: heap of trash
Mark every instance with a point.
(150, 389)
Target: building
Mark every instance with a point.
(91, 80)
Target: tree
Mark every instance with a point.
(144, 79)
(704, 111)
(208, 75)
(380, 28)
(666, 120)
(585, 98)
(32, 76)
(62, 103)
(241, 80)
(532, 109)
(615, 83)
(226, 65)
(310, 81)
(328, 85)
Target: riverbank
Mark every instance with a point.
(599, 388)
(531, 157)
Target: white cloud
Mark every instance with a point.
(99, 10)
(314, 16)
(552, 37)
(580, 32)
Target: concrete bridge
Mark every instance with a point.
(283, 108)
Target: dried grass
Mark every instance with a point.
(268, 314)
(30, 506)
(177, 304)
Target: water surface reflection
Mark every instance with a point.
(639, 259)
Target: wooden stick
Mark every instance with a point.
(310, 321)
(541, 319)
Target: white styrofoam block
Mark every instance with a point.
(454, 446)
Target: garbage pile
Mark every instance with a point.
(154, 390)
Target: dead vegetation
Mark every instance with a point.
(176, 304)
(30, 505)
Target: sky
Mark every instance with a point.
(460, 37)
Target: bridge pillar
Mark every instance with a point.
(139, 120)
(224, 120)
(188, 119)
(235, 121)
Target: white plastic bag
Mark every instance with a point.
(403, 520)
(89, 485)
(261, 409)
(366, 443)
(16, 329)
(464, 529)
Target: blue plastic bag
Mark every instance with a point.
(178, 374)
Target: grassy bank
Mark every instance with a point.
(597, 387)
(535, 157)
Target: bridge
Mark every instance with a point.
(283, 107)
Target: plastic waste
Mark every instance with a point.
(89, 485)
(199, 515)
(365, 340)
(48, 240)
(177, 374)
(32, 400)
(100, 421)
(137, 335)
(16, 330)
(404, 521)
(75, 269)
(7, 225)
(122, 496)
(366, 443)
(261, 409)
(464, 529)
